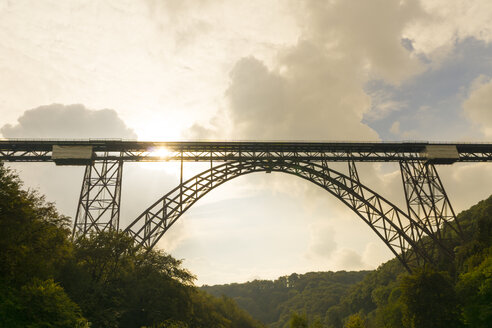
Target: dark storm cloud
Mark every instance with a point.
(68, 121)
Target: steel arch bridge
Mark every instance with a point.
(410, 234)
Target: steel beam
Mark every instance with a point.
(100, 197)
(42, 150)
(398, 231)
(427, 201)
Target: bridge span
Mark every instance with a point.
(412, 234)
(23, 150)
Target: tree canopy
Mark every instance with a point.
(99, 280)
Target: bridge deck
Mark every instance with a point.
(23, 150)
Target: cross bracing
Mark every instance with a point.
(411, 234)
(42, 150)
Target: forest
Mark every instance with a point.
(455, 293)
(104, 280)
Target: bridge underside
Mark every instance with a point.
(411, 234)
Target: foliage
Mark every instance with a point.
(104, 280)
(48, 281)
(475, 291)
(33, 244)
(33, 235)
(355, 321)
(429, 300)
(273, 302)
(298, 320)
(453, 294)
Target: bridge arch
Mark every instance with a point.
(395, 228)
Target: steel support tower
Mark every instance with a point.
(411, 234)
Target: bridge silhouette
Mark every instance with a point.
(411, 233)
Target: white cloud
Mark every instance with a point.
(382, 105)
(368, 32)
(478, 106)
(348, 259)
(466, 183)
(68, 121)
(447, 22)
(314, 90)
(375, 254)
(277, 72)
(395, 128)
(62, 184)
(322, 243)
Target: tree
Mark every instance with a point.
(298, 320)
(355, 321)
(45, 304)
(33, 245)
(475, 291)
(429, 300)
(33, 235)
(118, 284)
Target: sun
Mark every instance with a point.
(162, 152)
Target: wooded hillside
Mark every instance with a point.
(455, 293)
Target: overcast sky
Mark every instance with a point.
(250, 70)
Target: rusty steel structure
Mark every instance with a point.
(409, 233)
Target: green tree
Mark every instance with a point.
(355, 321)
(317, 323)
(298, 320)
(45, 304)
(33, 245)
(429, 300)
(33, 235)
(118, 284)
(475, 291)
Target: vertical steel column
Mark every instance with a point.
(354, 175)
(100, 198)
(427, 201)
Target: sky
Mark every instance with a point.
(358, 70)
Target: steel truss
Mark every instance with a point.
(427, 201)
(42, 150)
(408, 234)
(401, 233)
(99, 202)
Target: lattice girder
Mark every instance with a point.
(427, 201)
(397, 230)
(99, 203)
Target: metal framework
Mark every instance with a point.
(409, 234)
(399, 232)
(100, 197)
(137, 151)
(427, 201)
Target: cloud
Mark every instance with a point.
(307, 98)
(448, 22)
(62, 121)
(348, 259)
(395, 128)
(465, 183)
(322, 243)
(141, 186)
(68, 121)
(376, 253)
(478, 106)
(382, 105)
(314, 89)
(368, 32)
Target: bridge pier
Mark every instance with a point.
(100, 197)
(429, 217)
(427, 201)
